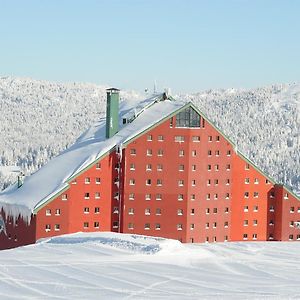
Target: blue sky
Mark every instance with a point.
(185, 45)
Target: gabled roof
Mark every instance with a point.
(89, 147)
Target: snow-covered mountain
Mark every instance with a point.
(39, 119)
(122, 266)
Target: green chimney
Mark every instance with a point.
(112, 112)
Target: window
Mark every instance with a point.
(57, 227)
(228, 153)
(147, 226)
(267, 181)
(245, 236)
(255, 208)
(292, 209)
(181, 152)
(116, 210)
(216, 181)
(147, 211)
(115, 224)
(57, 212)
(86, 225)
(193, 167)
(47, 227)
(157, 226)
(226, 238)
(131, 181)
(148, 167)
(215, 210)
(254, 222)
(209, 167)
(87, 180)
(148, 197)
(97, 180)
(179, 226)
(226, 224)
(159, 182)
(271, 209)
(158, 211)
(192, 211)
(181, 168)
(86, 210)
(132, 151)
(255, 194)
(216, 196)
(210, 138)
(179, 138)
(97, 210)
(180, 197)
(226, 210)
(158, 197)
(160, 138)
(217, 153)
(96, 224)
(196, 138)
(180, 182)
(74, 181)
(131, 196)
(286, 196)
(214, 224)
(160, 152)
(188, 118)
(291, 223)
(98, 166)
(171, 122)
(97, 195)
(179, 212)
(254, 236)
(131, 211)
(194, 153)
(246, 208)
(256, 181)
(209, 152)
(227, 196)
(245, 222)
(64, 197)
(193, 182)
(149, 137)
(207, 211)
(192, 226)
(298, 210)
(130, 226)
(207, 196)
(228, 167)
(218, 138)
(227, 182)
(193, 197)
(48, 212)
(291, 237)
(206, 227)
(208, 181)
(247, 180)
(159, 167)
(247, 167)
(132, 167)
(86, 195)
(149, 152)
(216, 167)
(298, 237)
(246, 195)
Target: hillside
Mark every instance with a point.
(39, 119)
(119, 266)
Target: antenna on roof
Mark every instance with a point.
(154, 87)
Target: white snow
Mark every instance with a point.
(54, 176)
(119, 266)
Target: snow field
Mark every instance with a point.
(117, 266)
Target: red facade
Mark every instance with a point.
(181, 183)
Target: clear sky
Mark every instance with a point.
(185, 45)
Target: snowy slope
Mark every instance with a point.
(116, 266)
(39, 119)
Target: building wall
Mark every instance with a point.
(193, 212)
(18, 232)
(87, 205)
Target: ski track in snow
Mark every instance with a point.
(93, 269)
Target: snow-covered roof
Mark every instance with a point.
(91, 145)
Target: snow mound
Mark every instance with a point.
(132, 243)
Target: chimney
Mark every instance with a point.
(112, 112)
